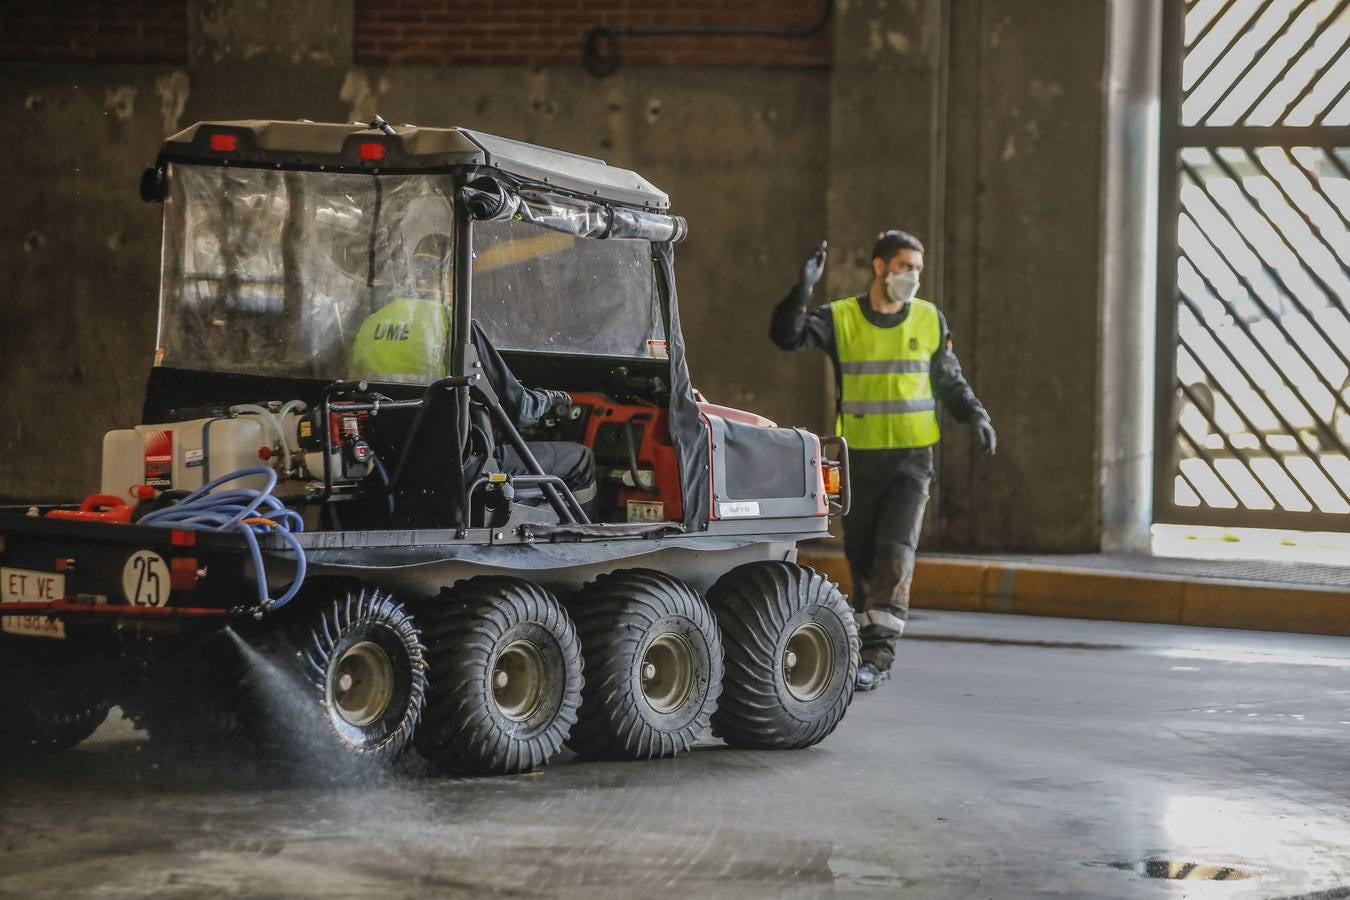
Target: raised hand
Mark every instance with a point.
(814, 266)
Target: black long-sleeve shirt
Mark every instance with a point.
(524, 406)
(793, 328)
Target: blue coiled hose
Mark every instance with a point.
(226, 511)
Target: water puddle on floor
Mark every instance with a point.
(1186, 869)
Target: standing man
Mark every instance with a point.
(893, 363)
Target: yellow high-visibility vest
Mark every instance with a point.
(886, 396)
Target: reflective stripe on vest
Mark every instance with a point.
(870, 407)
(884, 366)
(886, 395)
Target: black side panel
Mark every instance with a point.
(758, 473)
(763, 462)
(688, 431)
(172, 394)
(186, 391)
(430, 478)
(574, 372)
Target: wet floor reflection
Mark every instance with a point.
(146, 821)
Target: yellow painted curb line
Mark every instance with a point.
(1002, 587)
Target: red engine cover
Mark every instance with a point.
(655, 451)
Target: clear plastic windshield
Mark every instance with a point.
(295, 273)
(538, 289)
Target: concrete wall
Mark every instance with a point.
(1025, 162)
(975, 123)
(79, 255)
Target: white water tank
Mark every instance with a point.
(183, 455)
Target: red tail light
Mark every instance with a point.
(183, 573)
(371, 151)
(224, 143)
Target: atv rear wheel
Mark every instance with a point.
(356, 663)
(182, 721)
(792, 655)
(189, 701)
(653, 666)
(50, 700)
(505, 677)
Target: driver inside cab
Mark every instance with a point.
(405, 340)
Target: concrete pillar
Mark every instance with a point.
(884, 131)
(1129, 298)
(1026, 114)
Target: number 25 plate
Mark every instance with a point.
(30, 586)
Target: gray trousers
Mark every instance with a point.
(881, 532)
(573, 463)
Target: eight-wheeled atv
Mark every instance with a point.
(356, 526)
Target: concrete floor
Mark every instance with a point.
(993, 766)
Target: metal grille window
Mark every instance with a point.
(1254, 347)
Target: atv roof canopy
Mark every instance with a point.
(273, 272)
(337, 147)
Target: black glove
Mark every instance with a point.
(985, 436)
(813, 267)
(560, 402)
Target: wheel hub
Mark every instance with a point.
(363, 684)
(519, 680)
(808, 662)
(667, 673)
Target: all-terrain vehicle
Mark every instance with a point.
(357, 530)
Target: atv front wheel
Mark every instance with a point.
(653, 666)
(792, 655)
(50, 700)
(505, 677)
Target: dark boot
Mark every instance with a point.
(869, 676)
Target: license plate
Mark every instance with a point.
(33, 626)
(646, 511)
(31, 586)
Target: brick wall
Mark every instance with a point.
(101, 30)
(552, 32)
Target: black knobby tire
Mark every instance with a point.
(191, 701)
(49, 700)
(350, 678)
(653, 666)
(767, 609)
(484, 628)
(183, 721)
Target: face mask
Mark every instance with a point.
(902, 287)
